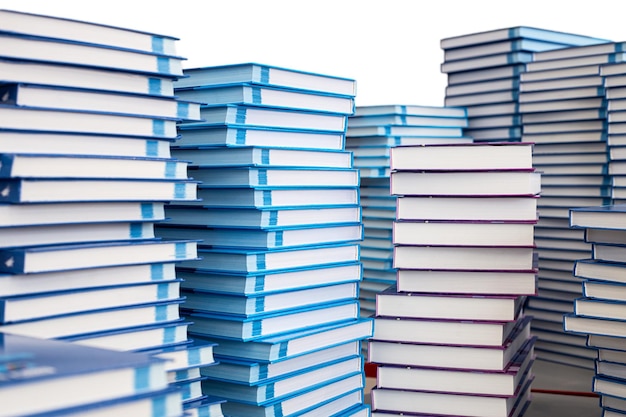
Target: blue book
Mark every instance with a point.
(55, 370)
(292, 119)
(336, 396)
(19, 284)
(197, 353)
(252, 306)
(208, 406)
(48, 190)
(602, 217)
(244, 261)
(92, 322)
(410, 110)
(489, 98)
(503, 46)
(292, 344)
(193, 136)
(405, 130)
(406, 120)
(251, 284)
(387, 141)
(91, 55)
(47, 26)
(206, 325)
(263, 157)
(39, 96)
(256, 373)
(576, 61)
(267, 75)
(288, 386)
(191, 390)
(268, 238)
(262, 218)
(51, 304)
(250, 177)
(250, 94)
(67, 257)
(497, 60)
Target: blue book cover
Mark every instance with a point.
(267, 75)
(56, 369)
(405, 120)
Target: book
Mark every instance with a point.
(282, 259)
(270, 75)
(255, 373)
(208, 407)
(49, 190)
(505, 183)
(53, 371)
(565, 83)
(271, 282)
(608, 216)
(68, 75)
(79, 121)
(563, 115)
(263, 157)
(287, 386)
(467, 282)
(248, 115)
(501, 383)
(251, 306)
(250, 94)
(482, 87)
(20, 284)
(25, 142)
(560, 73)
(84, 323)
(391, 303)
(387, 141)
(577, 61)
(466, 208)
(608, 252)
(565, 94)
(405, 119)
(494, 48)
(496, 97)
(608, 386)
(30, 307)
(599, 308)
(539, 110)
(275, 198)
(448, 356)
(52, 258)
(403, 130)
(47, 26)
(466, 233)
(593, 325)
(524, 32)
(410, 110)
(496, 60)
(91, 55)
(71, 166)
(39, 96)
(603, 48)
(605, 236)
(475, 156)
(268, 238)
(485, 74)
(464, 258)
(261, 218)
(453, 332)
(193, 136)
(207, 325)
(67, 213)
(248, 177)
(509, 110)
(197, 354)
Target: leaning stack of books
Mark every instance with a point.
(484, 70)
(372, 132)
(88, 117)
(563, 108)
(599, 313)
(614, 93)
(452, 337)
(276, 287)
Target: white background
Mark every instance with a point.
(390, 47)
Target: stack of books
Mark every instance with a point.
(452, 337)
(88, 118)
(614, 88)
(372, 132)
(563, 108)
(56, 378)
(484, 70)
(599, 313)
(276, 285)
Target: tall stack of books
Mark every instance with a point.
(599, 313)
(563, 108)
(372, 132)
(614, 89)
(452, 337)
(276, 287)
(484, 70)
(87, 119)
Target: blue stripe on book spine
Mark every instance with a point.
(159, 406)
(179, 190)
(265, 156)
(152, 148)
(240, 137)
(163, 291)
(273, 218)
(155, 86)
(265, 75)
(169, 335)
(240, 116)
(262, 176)
(259, 304)
(170, 169)
(163, 64)
(156, 271)
(158, 127)
(136, 230)
(157, 44)
(260, 261)
(182, 109)
(259, 282)
(181, 250)
(256, 95)
(256, 328)
(142, 378)
(147, 211)
(267, 198)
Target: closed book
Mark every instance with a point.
(387, 140)
(402, 130)
(198, 353)
(406, 119)
(204, 407)
(608, 216)
(597, 269)
(599, 308)
(410, 110)
(593, 325)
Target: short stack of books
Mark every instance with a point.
(484, 75)
(452, 337)
(276, 285)
(614, 76)
(56, 378)
(88, 118)
(372, 132)
(599, 314)
(563, 108)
